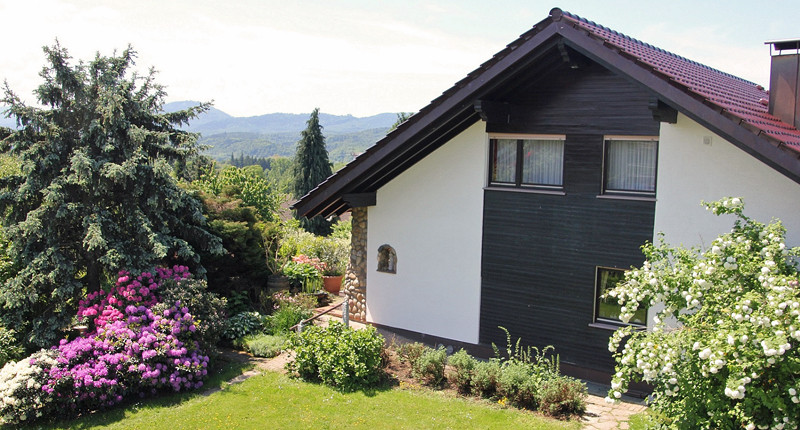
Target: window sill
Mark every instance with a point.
(624, 197)
(527, 190)
(614, 327)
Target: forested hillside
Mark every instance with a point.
(278, 133)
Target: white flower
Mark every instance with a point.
(792, 392)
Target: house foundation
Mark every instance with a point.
(355, 282)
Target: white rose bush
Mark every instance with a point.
(723, 349)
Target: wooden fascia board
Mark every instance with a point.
(329, 193)
(360, 200)
(705, 113)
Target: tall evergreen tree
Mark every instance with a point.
(311, 167)
(95, 194)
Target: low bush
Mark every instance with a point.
(283, 319)
(242, 324)
(135, 345)
(518, 383)
(562, 396)
(411, 351)
(10, 348)
(204, 305)
(463, 366)
(284, 298)
(261, 345)
(429, 366)
(21, 397)
(338, 356)
(485, 376)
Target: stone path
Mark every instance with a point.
(603, 416)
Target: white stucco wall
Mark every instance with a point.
(690, 171)
(431, 214)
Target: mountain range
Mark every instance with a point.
(277, 133)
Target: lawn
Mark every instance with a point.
(272, 400)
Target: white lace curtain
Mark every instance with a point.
(631, 165)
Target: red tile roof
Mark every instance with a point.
(739, 98)
(727, 105)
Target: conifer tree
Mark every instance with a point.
(95, 194)
(311, 167)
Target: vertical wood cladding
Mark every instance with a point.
(540, 251)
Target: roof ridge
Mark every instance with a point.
(577, 18)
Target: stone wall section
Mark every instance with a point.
(355, 281)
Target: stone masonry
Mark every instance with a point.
(355, 281)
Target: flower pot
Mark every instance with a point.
(277, 283)
(332, 284)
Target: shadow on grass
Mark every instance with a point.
(387, 383)
(221, 373)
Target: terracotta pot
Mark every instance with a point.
(332, 284)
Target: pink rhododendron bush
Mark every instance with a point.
(136, 345)
(723, 351)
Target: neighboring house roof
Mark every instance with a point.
(729, 106)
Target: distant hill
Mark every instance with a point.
(278, 133)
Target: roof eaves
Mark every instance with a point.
(327, 193)
(703, 109)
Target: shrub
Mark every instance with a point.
(429, 366)
(734, 361)
(242, 324)
(485, 376)
(208, 308)
(304, 273)
(132, 347)
(21, 396)
(463, 366)
(519, 383)
(561, 396)
(303, 301)
(261, 345)
(10, 348)
(283, 319)
(338, 356)
(411, 352)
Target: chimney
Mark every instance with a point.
(784, 81)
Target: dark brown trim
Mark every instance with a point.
(453, 102)
(692, 105)
(462, 104)
(360, 200)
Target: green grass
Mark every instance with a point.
(274, 401)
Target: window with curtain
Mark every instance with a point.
(630, 166)
(608, 309)
(528, 162)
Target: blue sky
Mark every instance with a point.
(358, 57)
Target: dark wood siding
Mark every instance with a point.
(540, 251)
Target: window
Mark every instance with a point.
(527, 162)
(630, 166)
(608, 309)
(387, 259)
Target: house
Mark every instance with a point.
(525, 190)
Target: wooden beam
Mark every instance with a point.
(662, 112)
(360, 200)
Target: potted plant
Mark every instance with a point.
(335, 254)
(304, 274)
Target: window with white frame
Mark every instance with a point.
(527, 161)
(630, 165)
